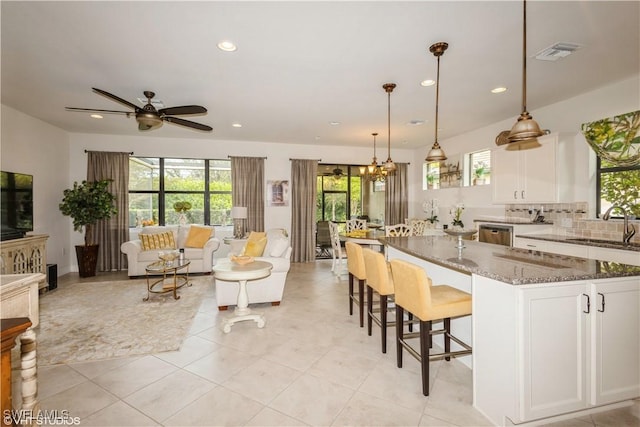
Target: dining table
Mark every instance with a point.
(369, 237)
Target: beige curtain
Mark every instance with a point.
(396, 196)
(247, 189)
(113, 232)
(303, 209)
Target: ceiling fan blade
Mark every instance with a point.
(94, 110)
(187, 123)
(117, 99)
(183, 110)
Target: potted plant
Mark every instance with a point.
(86, 204)
(479, 172)
(182, 208)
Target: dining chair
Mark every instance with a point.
(323, 239)
(415, 294)
(418, 226)
(337, 252)
(356, 224)
(355, 264)
(397, 230)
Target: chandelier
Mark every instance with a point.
(436, 153)
(373, 172)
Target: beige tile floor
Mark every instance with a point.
(311, 365)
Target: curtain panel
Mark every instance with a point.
(396, 197)
(303, 209)
(247, 189)
(113, 232)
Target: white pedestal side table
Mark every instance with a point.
(230, 271)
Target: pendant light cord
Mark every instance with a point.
(524, 57)
(389, 124)
(437, 97)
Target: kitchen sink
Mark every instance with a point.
(606, 242)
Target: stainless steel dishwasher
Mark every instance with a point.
(496, 234)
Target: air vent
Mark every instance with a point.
(157, 103)
(557, 51)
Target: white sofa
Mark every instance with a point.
(201, 258)
(269, 289)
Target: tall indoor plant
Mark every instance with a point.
(86, 204)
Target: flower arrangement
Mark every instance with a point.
(181, 207)
(431, 208)
(456, 214)
(480, 169)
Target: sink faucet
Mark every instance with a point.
(629, 230)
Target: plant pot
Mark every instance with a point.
(87, 259)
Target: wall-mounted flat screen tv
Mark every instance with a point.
(16, 204)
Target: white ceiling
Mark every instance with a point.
(301, 65)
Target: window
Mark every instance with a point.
(478, 168)
(431, 174)
(157, 186)
(617, 186)
(340, 193)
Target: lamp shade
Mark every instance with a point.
(239, 212)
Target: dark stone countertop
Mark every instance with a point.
(506, 264)
(611, 244)
(512, 221)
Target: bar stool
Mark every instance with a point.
(355, 265)
(379, 279)
(415, 294)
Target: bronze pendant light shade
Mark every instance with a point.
(389, 166)
(525, 131)
(436, 153)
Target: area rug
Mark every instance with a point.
(103, 320)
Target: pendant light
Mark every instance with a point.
(436, 154)
(389, 166)
(525, 131)
(374, 164)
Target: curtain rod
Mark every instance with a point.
(229, 157)
(128, 152)
(317, 160)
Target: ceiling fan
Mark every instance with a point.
(148, 117)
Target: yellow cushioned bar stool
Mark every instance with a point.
(378, 279)
(415, 294)
(355, 265)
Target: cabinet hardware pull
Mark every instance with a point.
(588, 304)
(602, 295)
(522, 194)
(515, 194)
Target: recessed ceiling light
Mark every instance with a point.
(498, 89)
(227, 46)
(334, 123)
(426, 83)
(415, 123)
(237, 125)
(96, 116)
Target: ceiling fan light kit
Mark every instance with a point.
(436, 154)
(148, 117)
(525, 132)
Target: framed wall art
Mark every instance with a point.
(277, 193)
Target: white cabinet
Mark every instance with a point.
(622, 256)
(580, 346)
(530, 176)
(614, 255)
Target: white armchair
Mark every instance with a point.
(201, 258)
(271, 288)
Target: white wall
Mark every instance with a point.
(565, 117)
(34, 147)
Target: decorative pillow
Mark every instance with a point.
(197, 236)
(256, 235)
(157, 241)
(255, 247)
(279, 247)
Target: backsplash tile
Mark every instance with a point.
(570, 219)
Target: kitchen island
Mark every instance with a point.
(553, 336)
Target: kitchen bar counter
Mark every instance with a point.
(508, 265)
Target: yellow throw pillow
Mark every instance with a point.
(256, 235)
(197, 236)
(157, 241)
(255, 247)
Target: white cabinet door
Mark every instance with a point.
(553, 362)
(616, 312)
(505, 171)
(526, 176)
(538, 180)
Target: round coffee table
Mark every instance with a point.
(170, 280)
(230, 271)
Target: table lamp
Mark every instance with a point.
(239, 215)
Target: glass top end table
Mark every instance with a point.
(172, 276)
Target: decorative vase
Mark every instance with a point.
(182, 219)
(87, 257)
